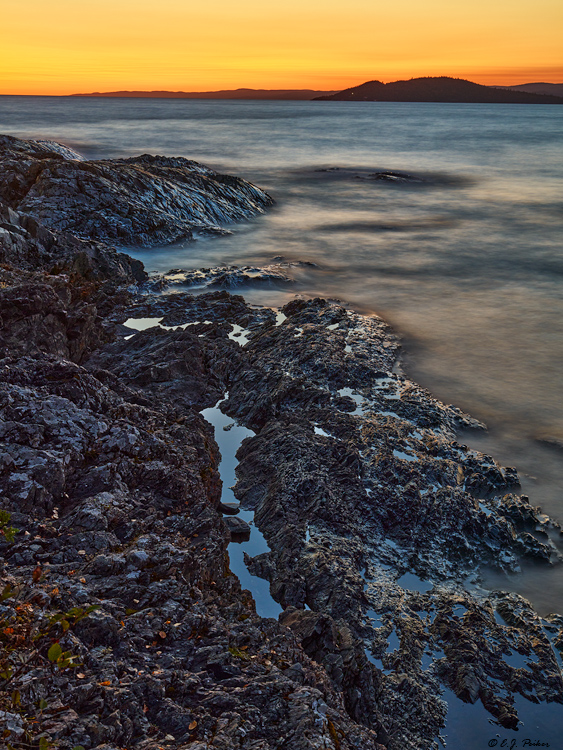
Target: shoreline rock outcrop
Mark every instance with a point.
(145, 200)
(375, 516)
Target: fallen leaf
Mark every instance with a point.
(192, 725)
(81, 675)
(105, 682)
(36, 575)
(162, 634)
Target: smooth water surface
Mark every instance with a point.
(229, 436)
(465, 261)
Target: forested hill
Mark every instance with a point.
(442, 89)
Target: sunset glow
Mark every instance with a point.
(64, 47)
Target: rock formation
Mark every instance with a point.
(375, 516)
(146, 200)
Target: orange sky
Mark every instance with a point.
(68, 46)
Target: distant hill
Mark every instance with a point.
(276, 94)
(441, 89)
(553, 89)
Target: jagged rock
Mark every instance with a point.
(143, 200)
(229, 509)
(28, 245)
(238, 529)
(374, 514)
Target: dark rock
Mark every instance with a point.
(238, 529)
(143, 200)
(374, 514)
(229, 509)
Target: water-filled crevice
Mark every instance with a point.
(229, 436)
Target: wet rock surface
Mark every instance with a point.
(144, 200)
(279, 274)
(378, 521)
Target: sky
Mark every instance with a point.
(69, 46)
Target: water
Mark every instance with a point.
(466, 262)
(229, 441)
(412, 582)
(471, 726)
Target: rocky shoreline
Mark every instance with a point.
(377, 520)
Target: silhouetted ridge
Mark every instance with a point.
(241, 93)
(441, 89)
(552, 89)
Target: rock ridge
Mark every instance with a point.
(145, 200)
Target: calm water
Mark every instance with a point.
(467, 264)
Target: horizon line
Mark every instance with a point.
(288, 89)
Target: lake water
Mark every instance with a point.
(465, 261)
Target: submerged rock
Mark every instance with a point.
(387, 176)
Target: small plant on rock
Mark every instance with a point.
(29, 640)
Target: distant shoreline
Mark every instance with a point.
(443, 89)
(236, 94)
